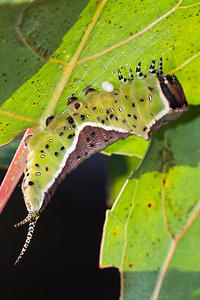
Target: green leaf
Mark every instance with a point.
(44, 24)
(26, 29)
(151, 233)
(14, 1)
(119, 169)
(7, 152)
(123, 34)
(140, 232)
(134, 146)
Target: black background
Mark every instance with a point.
(63, 257)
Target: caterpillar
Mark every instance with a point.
(141, 104)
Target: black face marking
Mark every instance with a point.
(173, 91)
(150, 88)
(88, 139)
(93, 134)
(141, 100)
(169, 78)
(37, 165)
(102, 121)
(145, 128)
(116, 118)
(133, 105)
(94, 108)
(82, 117)
(111, 116)
(47, 169)
(60, 133)
(31, 183)
(134, 126)
(64, 127)
(135, 117)
(42, 151)
(47, 146)
(49, 119)
(62, 148)
(126, 97)
(56, 154)
(129, 115)
(107, 111)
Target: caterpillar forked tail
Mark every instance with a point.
(29, 217)
(31, 228)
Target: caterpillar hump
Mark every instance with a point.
(141, 104)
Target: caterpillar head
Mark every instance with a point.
(159, 97)
(173, 91)
(175, 96)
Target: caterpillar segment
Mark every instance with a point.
(141, 104)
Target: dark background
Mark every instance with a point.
(63, 257)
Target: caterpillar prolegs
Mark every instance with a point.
(141, 104)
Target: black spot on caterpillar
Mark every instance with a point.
(141, 104)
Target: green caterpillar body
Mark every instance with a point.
(140, 105)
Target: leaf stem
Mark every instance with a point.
(14, 172)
